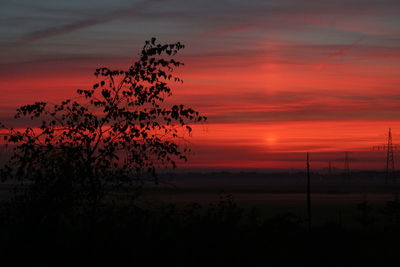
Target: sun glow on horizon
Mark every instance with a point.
(271, 139)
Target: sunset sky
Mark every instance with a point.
(275, 78)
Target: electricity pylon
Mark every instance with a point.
(390, 166)
(390, 171)
(308, 194)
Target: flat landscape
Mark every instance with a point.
(334, 197)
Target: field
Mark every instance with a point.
(333, 197)
(224, 219)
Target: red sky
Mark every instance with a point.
(275, 78)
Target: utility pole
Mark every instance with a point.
(346, 164)
(4, 154)
(329, 167)
(308, 194)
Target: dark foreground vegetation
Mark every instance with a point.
(216, 234)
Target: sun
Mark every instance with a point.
(271, 139)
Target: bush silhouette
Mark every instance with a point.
(118, 133)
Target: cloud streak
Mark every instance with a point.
(340, 53)
(82, 24)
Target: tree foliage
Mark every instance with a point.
(118, 130)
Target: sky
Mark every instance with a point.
(276, 79)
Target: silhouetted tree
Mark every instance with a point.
(118, 131)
